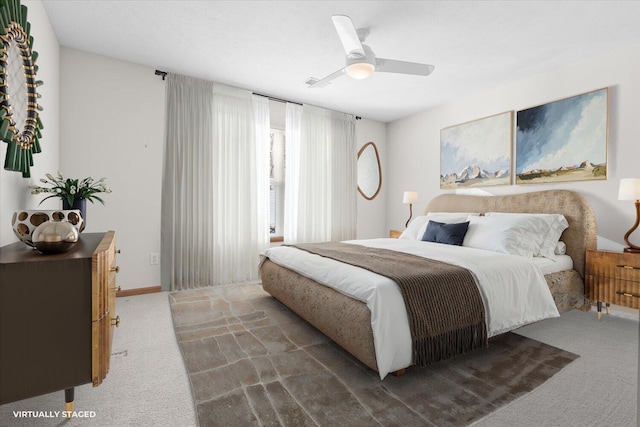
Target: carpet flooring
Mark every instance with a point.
(146, 386)
(251, 361)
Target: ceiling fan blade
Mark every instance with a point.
(403, 67)
(313, 83)
(348, 35)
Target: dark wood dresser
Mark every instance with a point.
(57, 314)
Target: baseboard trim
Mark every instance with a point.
(138, 291)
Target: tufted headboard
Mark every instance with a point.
(580, 236)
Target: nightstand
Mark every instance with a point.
(394, 234)
(612, 278)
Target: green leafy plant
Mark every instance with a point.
(71, 189)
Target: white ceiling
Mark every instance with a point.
(273, 47)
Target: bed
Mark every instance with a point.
(347, 319)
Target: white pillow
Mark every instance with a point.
(418, 226)
(506, 234)
(411, 232)
(551, 225)
(561, 248)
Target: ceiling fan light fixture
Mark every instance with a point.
(360, 70)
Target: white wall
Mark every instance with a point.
(14, 191)
(113, 126)
(414, 142)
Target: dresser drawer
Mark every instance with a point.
(613, 265)
(614, 291)
(103, 307)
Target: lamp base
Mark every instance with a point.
(410, 214)
(632, 250)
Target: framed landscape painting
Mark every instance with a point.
(564, 140)
(477, 153)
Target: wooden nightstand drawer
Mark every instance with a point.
(612, 278)
(394, 234)
(614, 265)
(613, 291)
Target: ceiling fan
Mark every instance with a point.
(360, 61)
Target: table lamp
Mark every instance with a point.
(409, 197)
(630, 190)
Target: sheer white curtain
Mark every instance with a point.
(215, 184)
(321, 175)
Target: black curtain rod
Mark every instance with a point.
(272, 98)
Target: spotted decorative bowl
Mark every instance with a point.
(24, 222)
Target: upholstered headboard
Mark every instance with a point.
(580, 236)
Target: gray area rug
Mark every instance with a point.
(251, 361)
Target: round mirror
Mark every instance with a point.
(369, 171)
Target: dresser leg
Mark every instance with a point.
(68, 401)
(599, 304)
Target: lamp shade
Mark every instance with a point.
(410, 197)
(629, 189)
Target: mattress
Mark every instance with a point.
(513, 288)
(548, 266)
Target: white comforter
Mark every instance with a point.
(513, 289)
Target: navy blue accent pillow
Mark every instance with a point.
(450, 234)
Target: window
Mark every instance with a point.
(276, 184)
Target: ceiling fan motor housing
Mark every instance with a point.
(358, 66)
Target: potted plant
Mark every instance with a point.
(73, 192)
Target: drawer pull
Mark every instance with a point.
(627, 294)
(115, 321)
(116, 269)
(117, 289)
(118, 251)
(628, 267)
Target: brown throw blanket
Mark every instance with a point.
(445, 309)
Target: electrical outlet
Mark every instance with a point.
(153, 258)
